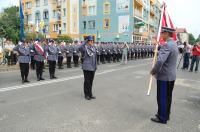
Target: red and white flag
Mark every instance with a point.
(165, 21)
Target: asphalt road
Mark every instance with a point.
(121, 104)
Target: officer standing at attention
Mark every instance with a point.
(52, 56)
(69, 54)
(24, 58)
(89, 65)
(165, 73)
(75, 54)
(39, 57)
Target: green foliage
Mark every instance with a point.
(33, 36)
(10, 24)
(192, 40)
(64, 38)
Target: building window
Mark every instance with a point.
(45, 2)
(46, 15)
(106, 23)
(28, 5)
(37, 16)
(64, 26)
(84, 13)
(91, 11)
(46, 27)
(29, 17)
(37, 3)
(54, 13)
(84, 25)
(107, 8)
(64, 12)
(55, 27)
(91, 24)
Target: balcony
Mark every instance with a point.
(27, 11)
(138, 3)
(138, 13)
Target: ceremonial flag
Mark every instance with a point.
(21, 15)
(165, 21)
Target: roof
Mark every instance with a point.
(181, 30)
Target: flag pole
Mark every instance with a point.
(156, 49)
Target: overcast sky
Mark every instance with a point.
(184, 13)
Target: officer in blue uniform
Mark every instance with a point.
(89, 65)
(75, 54)
(165, 73)
(23, 52)
(52, 56)
(60, 55)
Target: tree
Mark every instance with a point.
(10, 24)
(192, 40)
(64, 38)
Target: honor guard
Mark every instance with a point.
(98, 49)
(61, 48)
(89, 65)
(23, 52)
(76, 54)
(69, 54)
(52, 56)
(165, 73)
(39, 57)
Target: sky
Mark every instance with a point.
(184, 13)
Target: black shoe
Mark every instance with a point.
(87, 98)
(27, 81)
(38, 79)
(51, 77)
(23, 81)
(54, 77)
(42, 78)
(157, 120)
(92, 97)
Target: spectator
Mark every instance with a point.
(195, 58)
(186, 55)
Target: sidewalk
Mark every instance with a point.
(4, 68)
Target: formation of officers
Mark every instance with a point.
(38, 53)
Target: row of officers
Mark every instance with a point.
(38, 52)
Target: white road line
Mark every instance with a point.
(64, 79)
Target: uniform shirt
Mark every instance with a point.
(52, 52)
(89, 57)
(165, 67)
(24, 53)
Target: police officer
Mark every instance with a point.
(165, 73)
(114, 53)
(60, 55)
(89, 66)
(69, 54)
(52, 56)
(23, 52)
(75, 54)
(98, 49)
(39, 57)
(32, 58)
(103, 53)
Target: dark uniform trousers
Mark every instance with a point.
(102, 58)
(39, 68)
(24, 68)
(98, 59)
(75, 59)
(88, 81)
(69, 62)
(52, 67)
(164, 99)
(60, 62)
(32, 62)
(114, 57)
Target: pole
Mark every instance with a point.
(156, 51)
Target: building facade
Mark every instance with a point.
(182, 35)
(52, 17)
(119, 20)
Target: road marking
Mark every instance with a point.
(64, 79)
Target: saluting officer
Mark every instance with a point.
(89, 65)
(39, 57)
(52, 56)
(23, 52)
(165, 73)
